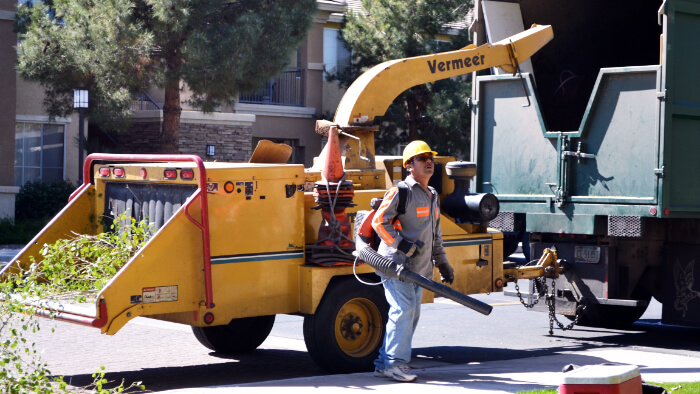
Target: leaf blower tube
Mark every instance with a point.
(390, 269)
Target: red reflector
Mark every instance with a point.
(143, 173)
(119, 172)
(652, 211)
(104, 171)
(187, 174)
(666, 211)
(209, 318)
(170, 174)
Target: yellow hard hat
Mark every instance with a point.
(415, 148)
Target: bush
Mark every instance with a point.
(42, 200)
(20, 233)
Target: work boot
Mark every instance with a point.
(380, 373)
(401, 373)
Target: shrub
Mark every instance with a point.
(42, 200)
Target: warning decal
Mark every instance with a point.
(159, 294)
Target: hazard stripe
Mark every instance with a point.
(397, 225)
(379, 218)
(437, 214)
(466, 241)
(422, 211)
(250, 257)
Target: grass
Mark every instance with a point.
(672, 387)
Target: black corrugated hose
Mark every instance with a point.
(392, 270)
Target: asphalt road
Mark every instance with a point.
(167, 356)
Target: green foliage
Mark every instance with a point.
(393, 29)
(79, 267)
(20, 233)
(75, 268)
(42, 200)
(35, 205)
(118, 48)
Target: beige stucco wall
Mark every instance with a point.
(29, 108)
(332, 93)
(300, 129)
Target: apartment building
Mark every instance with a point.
(284, 111)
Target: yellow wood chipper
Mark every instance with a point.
(237, 243)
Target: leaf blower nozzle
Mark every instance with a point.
(392, 270)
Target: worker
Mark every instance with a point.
(412, 240)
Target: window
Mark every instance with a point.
(336, 55)
(39, 152)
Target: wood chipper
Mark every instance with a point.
(237, 243)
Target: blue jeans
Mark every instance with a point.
(404, 310)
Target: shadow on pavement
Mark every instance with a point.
(260, 365)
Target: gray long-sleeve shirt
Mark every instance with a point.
(421, 222)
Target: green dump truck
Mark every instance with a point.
(593, 150)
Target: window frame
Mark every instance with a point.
(23, 167)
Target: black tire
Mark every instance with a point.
(612, 316)
(239, 336)
(510, 244)
(526, 246)
(347, 330)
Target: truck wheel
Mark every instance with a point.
(345, 333)
(612, 316)
(239, 336)
(510, 244)
(526, 247)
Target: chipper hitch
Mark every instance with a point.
(548, 266)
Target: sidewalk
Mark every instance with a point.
(494, 377)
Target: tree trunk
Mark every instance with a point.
(171, 119)
(413, 113)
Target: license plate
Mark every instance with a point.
(587, 254)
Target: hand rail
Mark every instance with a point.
(201, 193)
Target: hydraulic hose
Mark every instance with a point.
(392, 270)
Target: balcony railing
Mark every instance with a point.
(144, 102)
(285, 89)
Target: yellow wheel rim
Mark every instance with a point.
(358, 327)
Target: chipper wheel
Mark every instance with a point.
(239, 336)
(345, 333)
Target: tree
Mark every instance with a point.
(118, 48)
(393, 29)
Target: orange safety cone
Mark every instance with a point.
(333, 169)
(334, 195)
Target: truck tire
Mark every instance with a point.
(510, 244)
(345, 333)
(239, 336)
(612, 316)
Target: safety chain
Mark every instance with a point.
(541, 287)
(538, 284)
(551, 301)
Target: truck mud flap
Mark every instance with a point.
(681, 290)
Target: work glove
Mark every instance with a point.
(447, 274)
(410, 249)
